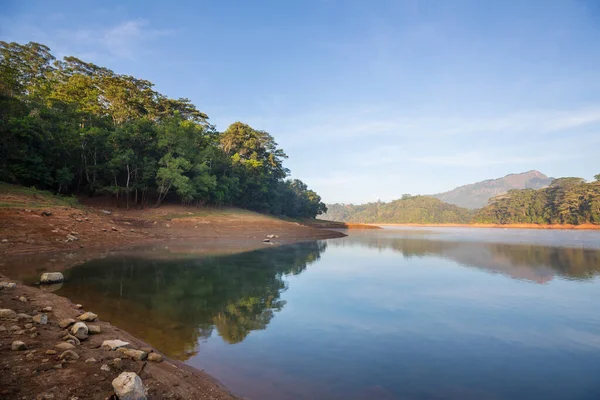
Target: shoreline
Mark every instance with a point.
(590, 227)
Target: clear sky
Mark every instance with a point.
(370, 99)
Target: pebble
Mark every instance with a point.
(155, 357)
(87, 316)
(18, 345)
(91, 360)
(78, 306)
(30, 356)
(41, 319)
(28, 326)
(51, 352)
(23, 299)
(3, 328)
(47, 309)
(105, 367)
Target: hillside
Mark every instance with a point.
(477, 195)
(408, 210)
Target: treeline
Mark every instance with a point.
(408, 210)
(565, 201)
(75, 127)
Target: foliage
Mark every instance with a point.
(408, 210)
(565, 201)
(70, 126)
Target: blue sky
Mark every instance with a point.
(370, 99)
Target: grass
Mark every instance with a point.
(30, 197)
(211, 212)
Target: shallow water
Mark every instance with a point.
(392, 314)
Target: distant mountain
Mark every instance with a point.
(476, 195)
(408, 210)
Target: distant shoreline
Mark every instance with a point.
(589, 227)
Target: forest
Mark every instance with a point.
(565, 201)
(73, 127)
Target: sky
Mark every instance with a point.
(369, 99)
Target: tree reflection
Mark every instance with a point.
(174, 304)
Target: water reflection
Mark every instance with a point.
(533, 262)
(173, 304)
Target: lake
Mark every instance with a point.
(389, 314)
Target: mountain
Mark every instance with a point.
(476, 195)
(408, 210)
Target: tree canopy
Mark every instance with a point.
(73, 127)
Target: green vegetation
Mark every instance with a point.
(72, 127)
(408, 210)
(565, 201)
(35, 198)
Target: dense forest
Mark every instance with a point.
(565, 201)
(408, 210)
(77, 128)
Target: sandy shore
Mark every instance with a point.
(38, 235)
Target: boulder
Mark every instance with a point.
(79, 330)
(64, 346)
(114, 344)
(18, 345)
(65, 323)
(41, 319)
(155, 357)
(137, 355)
(88, 317)
(94, 329)
(69, 355)
(52, 277)
(129, 386)
(7, 313)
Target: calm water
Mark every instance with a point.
(391, 314)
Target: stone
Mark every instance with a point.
(137, 355)
(270, 236)
(7, 285)
(71, 339)
(28, 326)
(129, 386)
(146, 349)
(4, 241)
(79, 330)
(64, 346)
(69, 355)
(23, 316)
(45, 360)
(266, 240)
(44, 396)
(71, 238)
(155, 357)
(65, 323)
(17, 345)
(47, 309)
(46, 213)
(7, 313)
(91, 360)
(23, 299)
(114, 344)
(94, 329)
(117, 363)
(41, 319)
(87, 316)
(33, 335)
(14, 328)
(78, 306)
(51, 352)
(105, 368)
(30, 356)
(58, 366)
(114, 228)
(107, 212)
(52, 277)
(3, 329)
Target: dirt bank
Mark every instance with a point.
(34, 374)
(506, 226)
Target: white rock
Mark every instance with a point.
(129, 386)
(79, 330)
(18, 345)
(114, 344)
(91, 360)
(52, 277)
(7, 285)
(105, 367)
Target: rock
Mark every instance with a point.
(114, 344)
(41, 319)
(45, 360)
(7, 285)
(266, 240)
(2, 329)
(18, 345)
(51, 352)
(47, 309)
(46, 213)
(105, 368)
(7, 313)
(4, 241)
(137, 355)
(23, 316)
(79, 330)
(107, 212)
(78, 306)
(23, 299)
(64, 346)
(87, 316)
(28, 326)
(91, 360)
(69, 355)
(65, 323)
(270, 236)
(14, 328)
(71, 339)
(114, 228)
(30, 356)
(52, 277)
(33, 335)
(94, 329)
(58, 366)
(155, 357)
(129, 386)
(117, 364)
(71, 238)
(146, 349)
